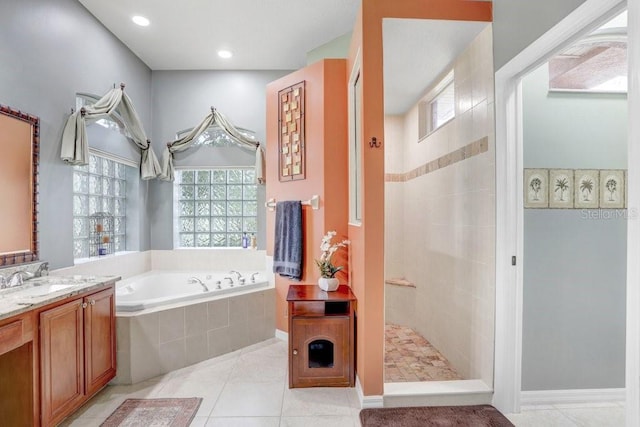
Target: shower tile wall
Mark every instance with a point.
(440, 231)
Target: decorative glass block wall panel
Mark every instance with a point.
(215, 207)
(99, 188)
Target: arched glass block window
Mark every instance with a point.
(113, 122)
(216, 137)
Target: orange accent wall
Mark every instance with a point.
(326, 167)
(367, 248)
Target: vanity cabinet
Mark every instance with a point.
(77, 353)
(321, 336)
(18, 368)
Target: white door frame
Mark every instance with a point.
(509, 205)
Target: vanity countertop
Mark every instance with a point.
(40, 291)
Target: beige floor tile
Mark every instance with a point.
(317, 421)
(596, 417)
(249, 399)
(300, 402)
(244, 422)
(82, 422)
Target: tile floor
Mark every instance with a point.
(410, 357)
(249, 388)
(577, 415)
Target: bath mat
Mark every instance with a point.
(154, 412)
(440, 416)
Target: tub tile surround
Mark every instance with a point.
(163, 341)
(157, 341)
(440, 216)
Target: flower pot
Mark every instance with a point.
(328, 283)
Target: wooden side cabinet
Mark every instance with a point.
(321, 336)
(77, 344)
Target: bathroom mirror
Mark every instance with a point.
(19, 149)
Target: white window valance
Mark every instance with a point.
(75, 146)
(213, 118)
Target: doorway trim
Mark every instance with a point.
(509, 205)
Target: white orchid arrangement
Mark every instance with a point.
(327, 269)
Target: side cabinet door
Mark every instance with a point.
(320, 351)
(100, 339)
(61, 361)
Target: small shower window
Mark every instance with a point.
(215, 207)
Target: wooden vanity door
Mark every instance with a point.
(100, 339)
(61, 361)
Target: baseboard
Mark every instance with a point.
(437, 393)
(368, 401)
(558, 397)
(282, 335)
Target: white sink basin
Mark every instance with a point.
(40, 291)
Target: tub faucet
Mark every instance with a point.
(198, 281)
(238, 273)
(253, 277)
(229, 279)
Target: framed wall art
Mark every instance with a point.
(291, 158)
(587, 193)
(612, 191)
(561, 188)
(536, 188)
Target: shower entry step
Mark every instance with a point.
(321, 336)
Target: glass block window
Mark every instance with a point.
(215, 207)
(99, 187)
(214, 136)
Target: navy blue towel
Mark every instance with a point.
(287, 250)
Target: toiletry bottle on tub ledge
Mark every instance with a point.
(253, 241)
(245, 240)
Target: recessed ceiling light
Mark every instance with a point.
(225, 54)
(140, 20)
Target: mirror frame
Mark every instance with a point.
(31, 255)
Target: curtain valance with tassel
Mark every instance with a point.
(213, 118)
(75, 146)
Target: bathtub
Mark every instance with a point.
(158, 288)
(165, 323)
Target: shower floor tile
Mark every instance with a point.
(410, 357)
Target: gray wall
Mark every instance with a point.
(181, 99)
(574, 260)
(49, 50)
(517, 23)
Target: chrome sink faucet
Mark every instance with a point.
(17, 278)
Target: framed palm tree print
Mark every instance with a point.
(612, 189)
(536, 188)
(561, 188)
(587, 188)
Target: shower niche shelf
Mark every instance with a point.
(101, 230)
(321, 336)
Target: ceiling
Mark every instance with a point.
(263, 35)
(418, 51)
(277, 34)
